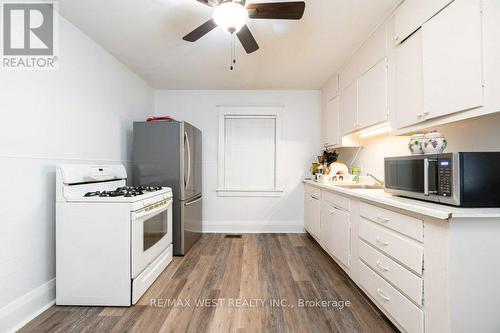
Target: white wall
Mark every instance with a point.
(477, 134)
(300, 137)
(81, 113)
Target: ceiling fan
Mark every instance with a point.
(232, 15)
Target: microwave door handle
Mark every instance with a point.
(426, 176)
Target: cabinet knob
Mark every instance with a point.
(331, 211)
(396, 38)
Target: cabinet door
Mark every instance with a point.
(452, 59)
(409, 90)
(332, 122)
(312, 211)
(335, 232)
(411, 14)
(324, 126)
(349, 109)
(372, 95)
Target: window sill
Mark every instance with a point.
(250, 193)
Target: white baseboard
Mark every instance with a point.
(254, 227)
(18, 313)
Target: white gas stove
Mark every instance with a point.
(112, 241)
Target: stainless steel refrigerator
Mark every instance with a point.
(169, 154)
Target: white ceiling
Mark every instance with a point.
(146, 35)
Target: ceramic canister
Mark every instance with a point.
(434, 143)
(415, 144)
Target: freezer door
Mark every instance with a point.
(191, 215)
(191, 156)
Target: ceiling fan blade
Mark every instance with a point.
(247, 40)
(210, 3)
(277, 10)
(201, 31)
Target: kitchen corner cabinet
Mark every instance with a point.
(372, 95)
(349, 109)
(452, 59)
(411, 14)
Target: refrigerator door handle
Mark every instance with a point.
(186, 142)
(193, 202)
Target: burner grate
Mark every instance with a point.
(125, 191)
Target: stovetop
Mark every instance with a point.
(124, 191)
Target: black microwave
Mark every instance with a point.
(459, 179)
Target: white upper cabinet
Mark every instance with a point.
(452, 59)
(411, 14)
(372, 95)
(372, 51)
(408, 88)
(349, 109)
(332, 117)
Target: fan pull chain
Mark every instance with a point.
(233, 52)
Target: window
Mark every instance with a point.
(248, 150)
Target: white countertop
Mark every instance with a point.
(439, 211)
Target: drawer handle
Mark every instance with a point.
(383, 219)
(382, 242)
(331, 211)
(385, 269)
(386, 298)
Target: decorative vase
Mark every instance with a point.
(415, 144)
(434, 143)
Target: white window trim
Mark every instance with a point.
(247, 111)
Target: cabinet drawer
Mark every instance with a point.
(401, 309)
(313, 191)
(410, 284)
(404, 250)
(337, 200)
(404, 224)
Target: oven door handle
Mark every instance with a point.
(426, 176)
(144, 215)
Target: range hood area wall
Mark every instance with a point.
(80, 113)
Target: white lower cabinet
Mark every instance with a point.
(432, 271)
(409, 283)
(312, 209)
(404, 250)
(335, 232)
(380, 249)
(407, 315)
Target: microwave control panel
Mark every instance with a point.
(445, 177)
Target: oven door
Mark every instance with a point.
(413, 176)
(151, 234)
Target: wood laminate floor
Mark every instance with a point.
(253, 284)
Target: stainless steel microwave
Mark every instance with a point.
(459, 179)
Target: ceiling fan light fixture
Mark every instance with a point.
(230, 16)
